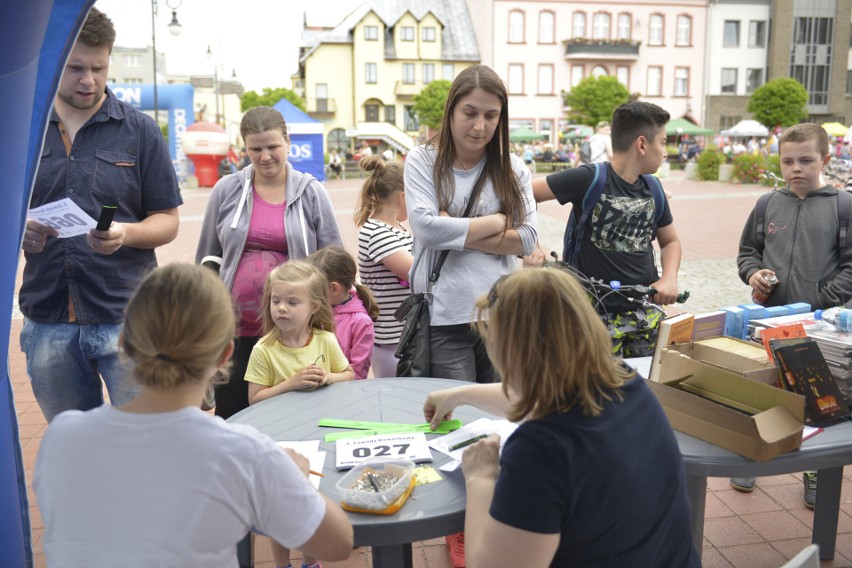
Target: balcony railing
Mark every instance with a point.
(583, 48)
(321, 106)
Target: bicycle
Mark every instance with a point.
(646, 316)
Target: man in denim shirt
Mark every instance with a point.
(97, 151)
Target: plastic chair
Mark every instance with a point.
(807, 558)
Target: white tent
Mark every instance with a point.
(848, 137)
(746, 128)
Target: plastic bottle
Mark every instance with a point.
(840, 318)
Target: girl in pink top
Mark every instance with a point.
(353, 304)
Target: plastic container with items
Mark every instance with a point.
(379, 487)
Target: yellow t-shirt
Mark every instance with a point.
(272, 363)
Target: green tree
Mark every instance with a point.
(429, 103)
(269, 97)
(779, 102)
(594, 99)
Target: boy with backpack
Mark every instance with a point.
(597, 148)
(617, 210)
(799, 235)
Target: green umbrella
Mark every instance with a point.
(524, 135)
(683, 127)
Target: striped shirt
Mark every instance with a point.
(377, 241)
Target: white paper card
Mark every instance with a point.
(392, 446)
(483, 426)
(65, 216)
(309, 449)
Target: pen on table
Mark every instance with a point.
(467, 443)
(312, 472)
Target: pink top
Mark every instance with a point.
(266, 248)
(354, 330)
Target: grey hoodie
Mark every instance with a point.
(800, 246)
(309, 222)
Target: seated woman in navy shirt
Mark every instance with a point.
(593, 475)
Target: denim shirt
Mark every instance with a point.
(119, 157)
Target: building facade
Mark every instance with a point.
(542, 49)
(359, 78)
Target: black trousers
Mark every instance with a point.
(232, 396)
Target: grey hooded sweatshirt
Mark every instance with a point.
(800, 246)
(309, 222)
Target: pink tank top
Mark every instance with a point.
(266, 248)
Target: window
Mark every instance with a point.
(757, 33)
(655, 30)
(447, 72)
(133, 80)
(729, 80)
(622, 73)
(410, 118)
(428, 33)
(321, 91)
(754, 79)
(599, 71)
(131, 61)
(731, 34)
(811, 59)
(545, 126)
(578, 24)
(371, 33)
(600, 26)
(390, 114)
(728, 121)
(577, 73)
(371, 112)
(681, 86)
(516, 79)
(406, 33)
(516, 26)
(545, 79)
(428, 73)
(370, 73)
(545, 27)
(408, 73)
(625, 26)
(655, 78)
(684, 30)
(849, 82)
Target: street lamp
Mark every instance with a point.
(215, 81)
(174, 29)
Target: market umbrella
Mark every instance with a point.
(746, 129)
(524, 135)
(683, 127)
(835, 129)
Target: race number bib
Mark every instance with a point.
(393, 446)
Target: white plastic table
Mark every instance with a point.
(827, 452)
(433, 510)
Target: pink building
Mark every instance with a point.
(542, 49)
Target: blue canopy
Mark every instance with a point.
(306, 139)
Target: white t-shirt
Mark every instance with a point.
(170, 489)
(597, 145)
(377, 241)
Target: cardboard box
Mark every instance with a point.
(735, 355)
(702, 404)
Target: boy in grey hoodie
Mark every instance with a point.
(800, 244)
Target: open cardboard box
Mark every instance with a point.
(704, 403)
(741, 357)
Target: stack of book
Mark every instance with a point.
(836, 346)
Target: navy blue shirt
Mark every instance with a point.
(612, 486)
(119, 157)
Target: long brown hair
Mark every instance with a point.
(555, 353)
(339, 266)
(498, 164)
(316, 287)
(385, 181)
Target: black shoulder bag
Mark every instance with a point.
(414, 349)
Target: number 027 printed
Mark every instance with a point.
(65, 216)
(394, 446)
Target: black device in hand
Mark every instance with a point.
(105, 220)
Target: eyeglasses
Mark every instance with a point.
(320, 358)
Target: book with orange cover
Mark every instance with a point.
(782, 332)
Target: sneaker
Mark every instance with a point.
(744, 484)
(314, 565)
(455, 543)
(810, 480)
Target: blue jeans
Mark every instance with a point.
(457, 352)
(65, 363)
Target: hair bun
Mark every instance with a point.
(371, 163)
